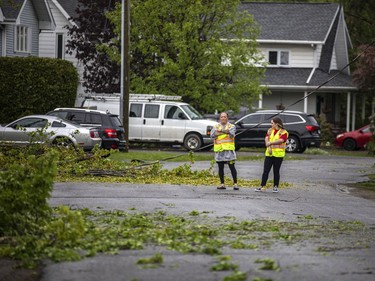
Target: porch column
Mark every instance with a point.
(353, 111)
(348, 111)
(305, 102)
(260, 103)
(363, 113)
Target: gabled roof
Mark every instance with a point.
(308, 22)
(12, 9)
(69, 7)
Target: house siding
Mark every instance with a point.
(341, 46)
(300, 55)
(27, 18)
(9, 41)
(48, 41)
(333, 60)
(48, 46)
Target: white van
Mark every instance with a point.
(159, 119)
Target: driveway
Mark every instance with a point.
(319, 190)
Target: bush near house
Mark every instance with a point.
(35, 85)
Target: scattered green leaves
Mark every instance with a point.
(268, 264)
(74, 234)
(155, 259)
(224, 264)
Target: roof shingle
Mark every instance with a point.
(294, 21)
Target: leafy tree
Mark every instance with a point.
(177, 49)
(364, 75)
(100, 74)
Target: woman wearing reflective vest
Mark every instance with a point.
(223, 134)
(275, 142)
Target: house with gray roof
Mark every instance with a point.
(20, 24)
(306, 47)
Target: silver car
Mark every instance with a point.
(51, 129)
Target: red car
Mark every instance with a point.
(354, 139)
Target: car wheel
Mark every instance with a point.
(193, 142)
(63, 142)
(292, 144)
(349, 144)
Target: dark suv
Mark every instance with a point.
(303, 129)
(109, 125)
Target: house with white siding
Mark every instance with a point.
(305, 45)
(52, 43)
(21, 21)
(37, 28)
(306, 48)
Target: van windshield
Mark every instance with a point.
(192, 112)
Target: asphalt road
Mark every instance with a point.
(319, 190)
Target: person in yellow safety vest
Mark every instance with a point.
(275, 142)
(223, 134)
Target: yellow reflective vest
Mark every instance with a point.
(278, 150)
(224, 141)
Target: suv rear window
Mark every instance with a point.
(313, 120)
(116, 121)
(292, 119)
(95, 119)
(77, 117)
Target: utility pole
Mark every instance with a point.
(125, 68)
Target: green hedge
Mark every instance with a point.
(35, 85)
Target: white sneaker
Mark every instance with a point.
(275, 189)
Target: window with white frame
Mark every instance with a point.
(22, 39)
(278, 58)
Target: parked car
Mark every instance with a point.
(109, 125)
(54, 130)
(303, 129)
(354, 139)
(160, 119)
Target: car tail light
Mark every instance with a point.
(111, 133)
(311, 128)
(94, 134)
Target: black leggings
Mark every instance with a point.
(232, 168)
(268, 163)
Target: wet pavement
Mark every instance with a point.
(319, 189)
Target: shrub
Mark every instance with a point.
(35, 85)
(25, 185)
(326, 131)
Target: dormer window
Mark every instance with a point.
(278, 58)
